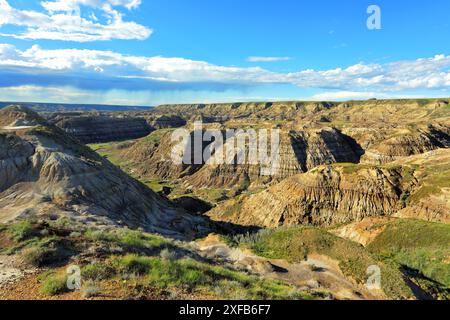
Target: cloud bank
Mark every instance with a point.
(74, 20)
(115, 70)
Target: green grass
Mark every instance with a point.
(419, 245)
(114, 152)
(433, 183)
(128, 238)
(350, 168)
(97, 271)
(197, 276)
(155, 137)
(294, 244)
(48, 251)
(21, 231)
(36, 245)
(53, 283)
(156, 185)
(212, 195)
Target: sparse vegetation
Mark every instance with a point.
(22, 230)
(53, 283)
(97, 271)
(196, 276)
(90, 290)
(48, 251)
(419, 245)
(296, 243)
(128, 238)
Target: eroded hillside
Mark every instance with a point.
(374, 132)
(415, 187)
(44, 171)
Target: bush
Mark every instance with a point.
(90, 290)
(97, 271)
(54, 284)
(36, 256)
(133, 264)
(47, 252)
(127, 238)
(167, 254)
(22, 230)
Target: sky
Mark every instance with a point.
(151, 52)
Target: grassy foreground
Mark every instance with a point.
(144, 266)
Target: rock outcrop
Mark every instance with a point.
(298, 152)
(90, 128)
(43, 171)
(324, 196)
(415, 187)
(167, 122)
(386, 145)
(370, 112)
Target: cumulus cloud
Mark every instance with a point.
(63, 20)
(346, 95)
(268, 59)
(424, 73)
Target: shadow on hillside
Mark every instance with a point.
(229, 229)
(433, 288)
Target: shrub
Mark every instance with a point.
(90, 290)
(167, 254)
(36, 256)
(47, 252)
(127, 238)
(54, 284)
(133, 264)
(97, 271)
(22, 230)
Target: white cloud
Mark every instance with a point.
(268, 59)
(364, 95)
(346, 95)
(62, 20)
(425, 73)
(73, 5)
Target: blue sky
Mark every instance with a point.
(150, 52)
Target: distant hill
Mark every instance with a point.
(53, 107)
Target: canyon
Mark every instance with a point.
(352, 178)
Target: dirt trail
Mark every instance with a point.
(9, 272)
(317, 273)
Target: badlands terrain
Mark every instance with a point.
(360, 186)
